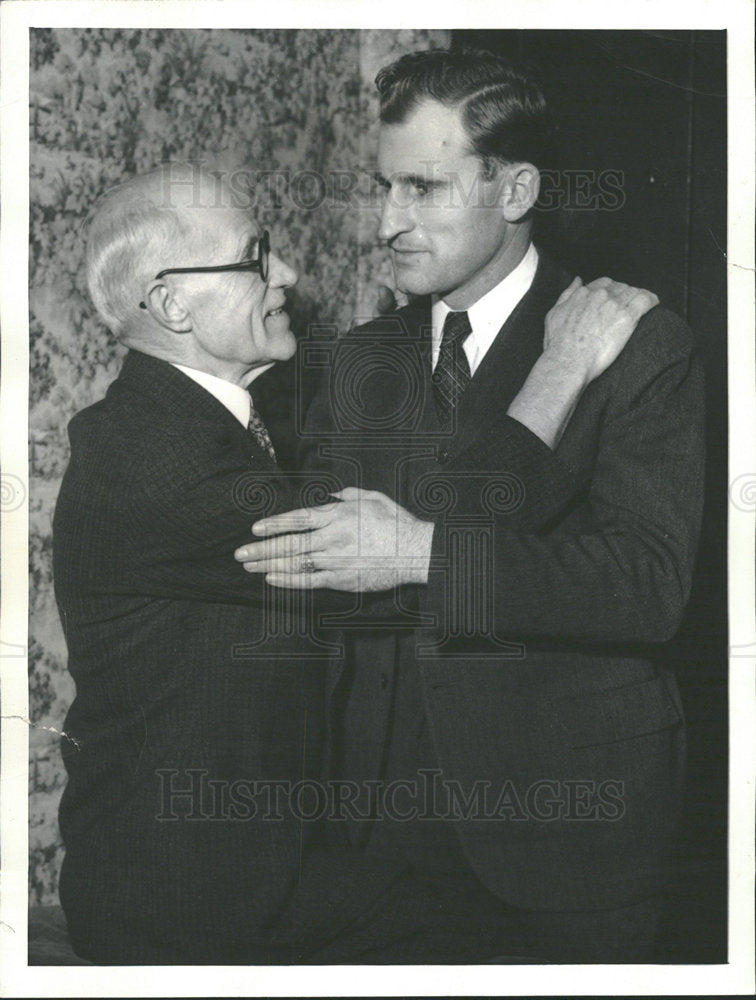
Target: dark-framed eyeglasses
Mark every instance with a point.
(259, 265)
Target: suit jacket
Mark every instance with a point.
(554, 578)
(194, 684)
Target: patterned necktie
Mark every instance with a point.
(259, 432)
(451, 375)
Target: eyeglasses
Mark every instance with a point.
(258, 265)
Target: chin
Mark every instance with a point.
(285, 347)
(412, 284)
(280, 340)
(412, 281)
(416, 288)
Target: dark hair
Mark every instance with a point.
(502, 107)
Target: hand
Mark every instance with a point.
(589, 325)
(388, 301)
(585, 332)
(365, 542)
(385, 302)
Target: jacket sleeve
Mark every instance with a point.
(619, 565)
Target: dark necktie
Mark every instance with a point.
(451, 375)
(259, 432)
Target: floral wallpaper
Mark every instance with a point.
(292, 108)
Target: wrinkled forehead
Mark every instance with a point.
(214, 217)
(228, 231)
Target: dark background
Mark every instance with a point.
(652, 105)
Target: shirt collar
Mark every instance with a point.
(234, 397)
(490, 312)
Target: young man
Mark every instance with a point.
(549, 554)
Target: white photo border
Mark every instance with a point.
(16, 977)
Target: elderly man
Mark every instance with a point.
(541, 558)
(191, 722)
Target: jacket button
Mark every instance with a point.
(443, 456)
(384, 680)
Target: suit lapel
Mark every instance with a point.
(187, 402)
(408, 332)
(515, 350)
(505, 367)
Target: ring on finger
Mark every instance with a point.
(307, 565)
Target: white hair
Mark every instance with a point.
(134, 231)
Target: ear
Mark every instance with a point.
(166, 309)
(519, 194)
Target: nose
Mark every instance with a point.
(280, 275)
(396, 216)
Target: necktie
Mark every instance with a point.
(452, 372)
(259, 432)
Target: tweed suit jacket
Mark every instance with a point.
(555, 579)
(192, 685)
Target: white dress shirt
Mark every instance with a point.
(234, 397)
(489, 313)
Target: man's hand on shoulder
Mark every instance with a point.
(585, 332)
(589, 325)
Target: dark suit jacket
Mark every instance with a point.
(554, 577)
(190, 674)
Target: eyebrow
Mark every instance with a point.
(412, 179)
(249, 246)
